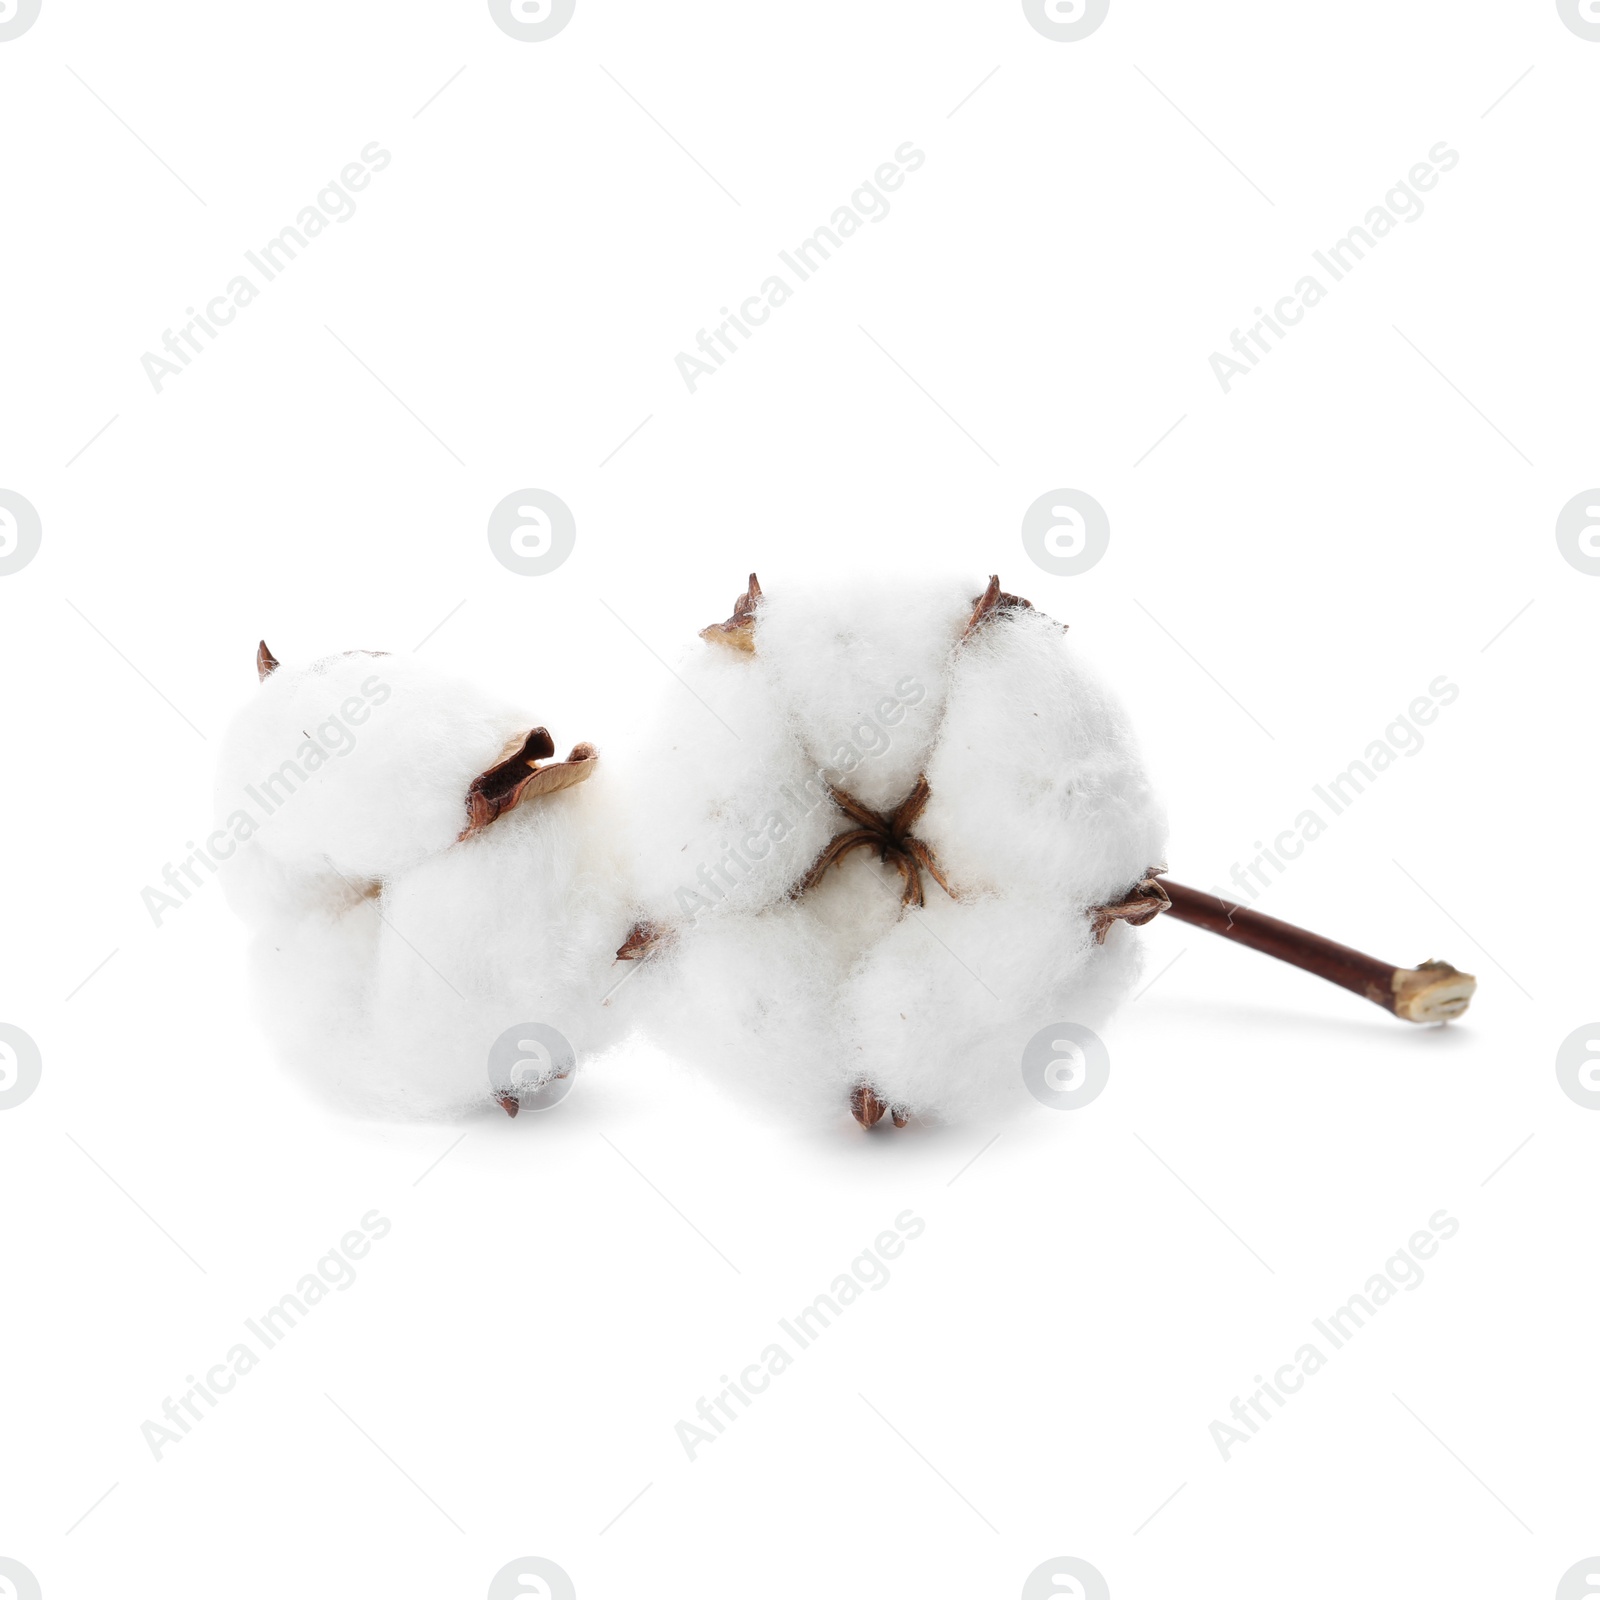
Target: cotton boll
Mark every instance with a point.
(1037, 811)
(400, 930)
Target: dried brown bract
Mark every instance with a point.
(890, 836)
(866, 1107)
(739, 631)
(1143, 903)
(992, 600)
(518, 777)
(642, 940)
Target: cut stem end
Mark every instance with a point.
(1433, 992)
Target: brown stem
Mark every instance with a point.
(1433, 992)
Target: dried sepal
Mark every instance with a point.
(855, 810)
(889, 834)
(518, 777)
(924, 857)
(992, 600)
(739, 631)
(866, 1107)
(577, 768)
(836, 850)
(911, 808)
(869, 1108)
(643, 940)
(1143, 903)
(911, 895)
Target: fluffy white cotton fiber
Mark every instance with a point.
(389, 951)
(864, 865)
(1038, 810)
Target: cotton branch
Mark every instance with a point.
(1433, 992)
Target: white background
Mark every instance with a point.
(1291, 565)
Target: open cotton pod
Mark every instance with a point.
(909, 829)
(421, 875)
(869, 867)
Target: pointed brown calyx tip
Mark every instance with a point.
(994, 599)
(1143, 903)
(643, 939)
(866, 1107)
(508, 1103)
(739, 631)
(266, 662)
(518, 777)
